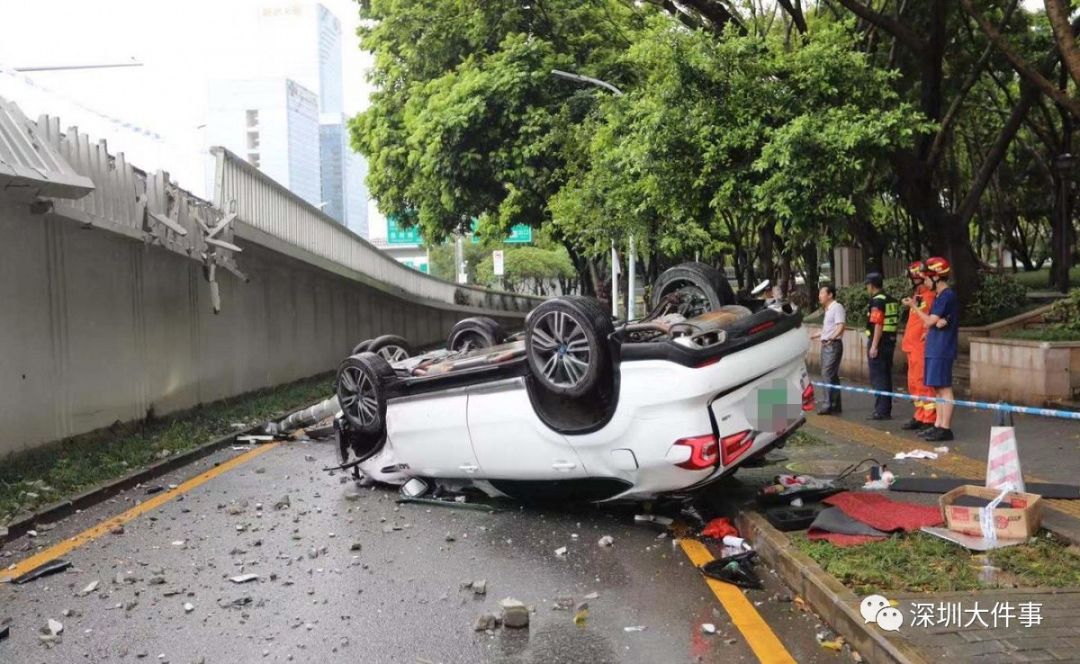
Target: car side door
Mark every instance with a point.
(511, 442)
(430, 433)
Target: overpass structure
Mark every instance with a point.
(123, 295)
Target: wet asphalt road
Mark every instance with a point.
(396, 599)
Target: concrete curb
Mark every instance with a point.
(108, 489)
(829, 598)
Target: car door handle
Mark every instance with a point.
(468, 468)
(564, 465)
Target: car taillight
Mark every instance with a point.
(808, 398)
(761, 327)
(703, 452)
(733, 446)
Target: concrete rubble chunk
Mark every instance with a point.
(244, 578)
(606, 540)
(708, 628)
(563, 604)
(117, 529)
(514, 613)
(485, 622)
(283, 503)
(356, 546)
(593, 595)
(188, 607)
(479, 587)
(90, 587)
(561, 551)
(53, 627)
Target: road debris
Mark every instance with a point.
(243, 578)
(283, 503)
(561, 551)
(151, 490)
(514, 613)
(708, 628)
(593, 595)
(563, 604)
(486, 622)
(581, 613)
(5, 632)
(606, 540)
(356, 546)
(188, 607)
(45, 569)
(635, 628)
(90, 587)
(479, 587)
(117, 529)
(54, 627)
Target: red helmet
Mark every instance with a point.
(916, 270)
(938, 267)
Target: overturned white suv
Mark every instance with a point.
(579, 408)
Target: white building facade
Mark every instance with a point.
(273, 124)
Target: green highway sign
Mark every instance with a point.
(519, 234)
(395, 234)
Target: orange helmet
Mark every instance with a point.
(916, 270)
(938, 267)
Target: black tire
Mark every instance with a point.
(362, 383)
(706, 287)
(391, 348)
(361, 347)
(567, 345)
(474, 333)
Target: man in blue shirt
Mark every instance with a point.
(943, 329)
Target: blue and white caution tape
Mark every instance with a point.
(979, 405)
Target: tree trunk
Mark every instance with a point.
(810, 267)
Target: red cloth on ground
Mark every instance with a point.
(839, 539)
(719, 527)
(884, 513)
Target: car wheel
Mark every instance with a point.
(473, 333)
(702, 288)
(361, 347)
(566, 343)
(391, 348)
(362, 381)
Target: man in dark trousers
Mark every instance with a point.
(882, 321)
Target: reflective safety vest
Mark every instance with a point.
(890, 320)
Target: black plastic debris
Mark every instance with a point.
(738, 570)
(5, 632)
(51, 567)
(151, 490)
(791, 518)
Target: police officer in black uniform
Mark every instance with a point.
(882, 321)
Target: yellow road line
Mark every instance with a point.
(759, 636)
(952, 463)
(66, 546)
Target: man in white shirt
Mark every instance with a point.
(832, 346)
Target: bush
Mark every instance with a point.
(856, 300)
(1064, 315)
(997, 297)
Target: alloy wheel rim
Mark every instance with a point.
(393, 353)
(560, 348)
(359, 399)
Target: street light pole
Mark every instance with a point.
(72, 67)
(631, 252)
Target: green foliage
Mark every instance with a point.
(856, 300)
(998, 296)
(1065, 314)
(527, 268)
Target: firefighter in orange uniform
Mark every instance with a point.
(914, 345)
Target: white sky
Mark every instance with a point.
(182, 44)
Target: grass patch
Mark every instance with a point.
(1040, 279)
(1047, 562)
(37, 477)
(1045, 334)
(918, 562)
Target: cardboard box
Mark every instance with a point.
(1018, 522)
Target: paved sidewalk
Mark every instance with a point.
(1049, 449)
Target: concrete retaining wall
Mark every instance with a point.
(853, 365)
(1035, 373)
(96, 327)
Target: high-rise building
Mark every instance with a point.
(302, 41)
(340, 167)
(274, 124)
